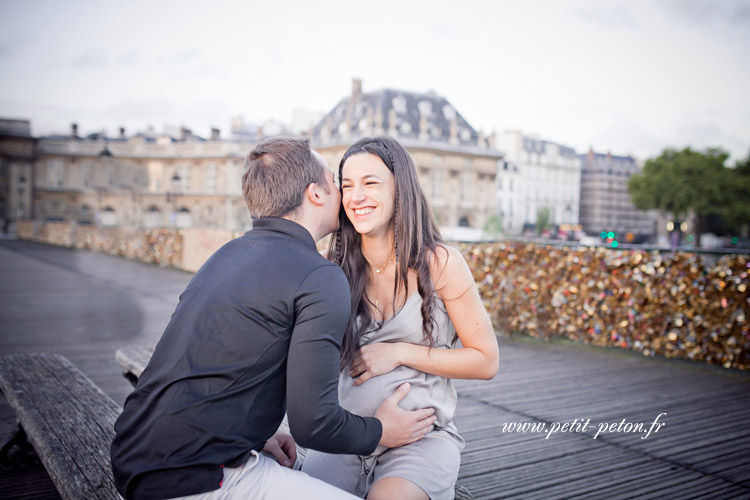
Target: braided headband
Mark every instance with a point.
(392, 166)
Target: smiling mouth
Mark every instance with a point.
(363, 211)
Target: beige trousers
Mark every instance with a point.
(262, 478)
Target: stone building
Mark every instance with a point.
(455, 165)
(548, 177)
(16, 171)
(605, 201)
(146, 180)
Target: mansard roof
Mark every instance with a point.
(414, 118)
(534, 145)
(593, 161)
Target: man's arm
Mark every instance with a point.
(315, 418)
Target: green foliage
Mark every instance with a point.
(542, 219)
(737, 213)
(679, 181)
(493, 227)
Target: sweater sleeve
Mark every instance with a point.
(316, 420)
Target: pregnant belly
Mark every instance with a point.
(427, 391)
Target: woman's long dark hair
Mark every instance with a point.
(416, 238)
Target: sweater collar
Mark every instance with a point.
(286, 226)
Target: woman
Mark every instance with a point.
(412, 296)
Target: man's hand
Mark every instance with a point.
(375, 359)
(402, 427)
(281, 446)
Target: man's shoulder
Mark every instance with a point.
(325, 273)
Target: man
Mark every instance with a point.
(257, 332)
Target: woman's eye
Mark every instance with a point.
(346, 186)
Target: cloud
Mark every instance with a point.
(710, 135)
(705, 12)
(625, 136)
(198, 115)
(127, 59)
(93, 58)
(179, 57)
(200, 72)
(618, 16)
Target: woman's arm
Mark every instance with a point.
(477, 359)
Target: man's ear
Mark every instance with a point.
(314, 193)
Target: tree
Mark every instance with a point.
(677, 182)
(493, 226)
(737, 213)
(542, 219)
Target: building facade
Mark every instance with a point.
(17, 154)
(140, 181)
(456, 166)
(543, 177)
(605, 202)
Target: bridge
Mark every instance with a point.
(560, 420)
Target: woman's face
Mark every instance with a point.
(368, 194)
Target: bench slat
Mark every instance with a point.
(134, 358)
(68, 419)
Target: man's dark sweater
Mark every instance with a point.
(256, 333)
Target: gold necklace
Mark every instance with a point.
(375, 268)
(377, 272)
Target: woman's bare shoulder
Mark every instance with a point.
(449, 269)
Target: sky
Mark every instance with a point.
(629, 77)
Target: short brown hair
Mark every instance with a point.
(277, 172)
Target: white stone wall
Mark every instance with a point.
(549, 178)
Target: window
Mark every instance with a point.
(184, 218)
(210, 178)
(109, 217)
(86, 167)
(56, 172)
(436, 178)
(466, 181)
(183, 171)
(153, 217)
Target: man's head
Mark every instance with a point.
(277, 174)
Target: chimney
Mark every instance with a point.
(122, 132)
(492, 139)
(356, 88)
(74, 130)
(369, 120)
(378, 120)
(215, 134)
(185, 133)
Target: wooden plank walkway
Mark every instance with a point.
(86, 305)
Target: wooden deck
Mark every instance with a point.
(85, 305)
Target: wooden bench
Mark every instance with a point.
(134, 359)
(68, 420)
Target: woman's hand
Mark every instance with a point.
(283, 449)
(375, 359)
